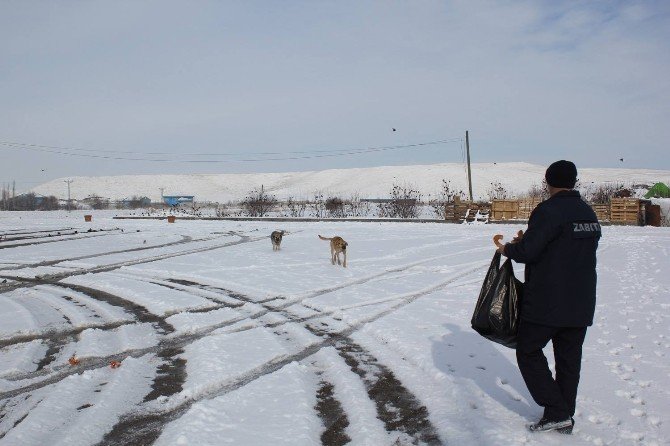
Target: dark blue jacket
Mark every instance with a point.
(559, 250)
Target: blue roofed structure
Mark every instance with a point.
(174, 200)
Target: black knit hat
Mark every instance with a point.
(562, 174)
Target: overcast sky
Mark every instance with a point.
(532, 81)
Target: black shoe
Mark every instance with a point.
(545, 425)
(567, 430)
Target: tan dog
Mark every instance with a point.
(337, 246)
(276, 238)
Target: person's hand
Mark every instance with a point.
(500, 247)
(518, 237)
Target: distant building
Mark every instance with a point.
(134, 203)
(174, 200)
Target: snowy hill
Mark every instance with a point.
(373, 182)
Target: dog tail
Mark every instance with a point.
(324, 238)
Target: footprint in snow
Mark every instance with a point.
(654, 421)
(638, 413)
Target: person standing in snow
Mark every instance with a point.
(559, 250)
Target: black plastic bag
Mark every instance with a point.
(496, 315)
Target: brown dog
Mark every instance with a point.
(276, 238)
(337, 246)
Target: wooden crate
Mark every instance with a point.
(457, 210)
(625, 211)
(526, 207)
(602, 211)
(505, 210)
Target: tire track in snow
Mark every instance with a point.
(24, 282)
(22, 232)
(144, 427)
(47, 233)
(185, 239)
(143, 315)
(95, 234)
(398, 408)
(332, 415)
(55, 334)
(273, 365)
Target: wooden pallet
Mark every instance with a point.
(602, 211)
(505, 210)
(526, 207)
(625, 211)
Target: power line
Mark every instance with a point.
(315, 153)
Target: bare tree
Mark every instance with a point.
(99, 203)
(538, 192)
(49, 203)
(335, 207)
(497, 191)
(446, 196)
(295, 208)
(222, 211)
(602, 193)
(354, 207)
(318, 206)
(259, 203)
(404, 203)
(137, 202)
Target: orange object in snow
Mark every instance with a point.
(115, 364)
(73, 360)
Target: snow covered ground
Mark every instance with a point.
(371, 182)
(223, 341)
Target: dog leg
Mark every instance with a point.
(345, 259)
(332, 255)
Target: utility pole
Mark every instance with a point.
(467, 148)
(68, 193)
(162, 200)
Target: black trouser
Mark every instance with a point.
(557, 396)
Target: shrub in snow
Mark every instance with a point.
(354, 207)
(537, 192)
(446, 196)
(318, 206)
(404, 203)
(498, 191)
(335, 207)
(294, 208)
(602, 193)
(259, 203)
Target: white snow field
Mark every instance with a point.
(223, 341)
(368, 182)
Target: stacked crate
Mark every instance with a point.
(505, 210)
(526, 207)
(625, 211)
(602, 211)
